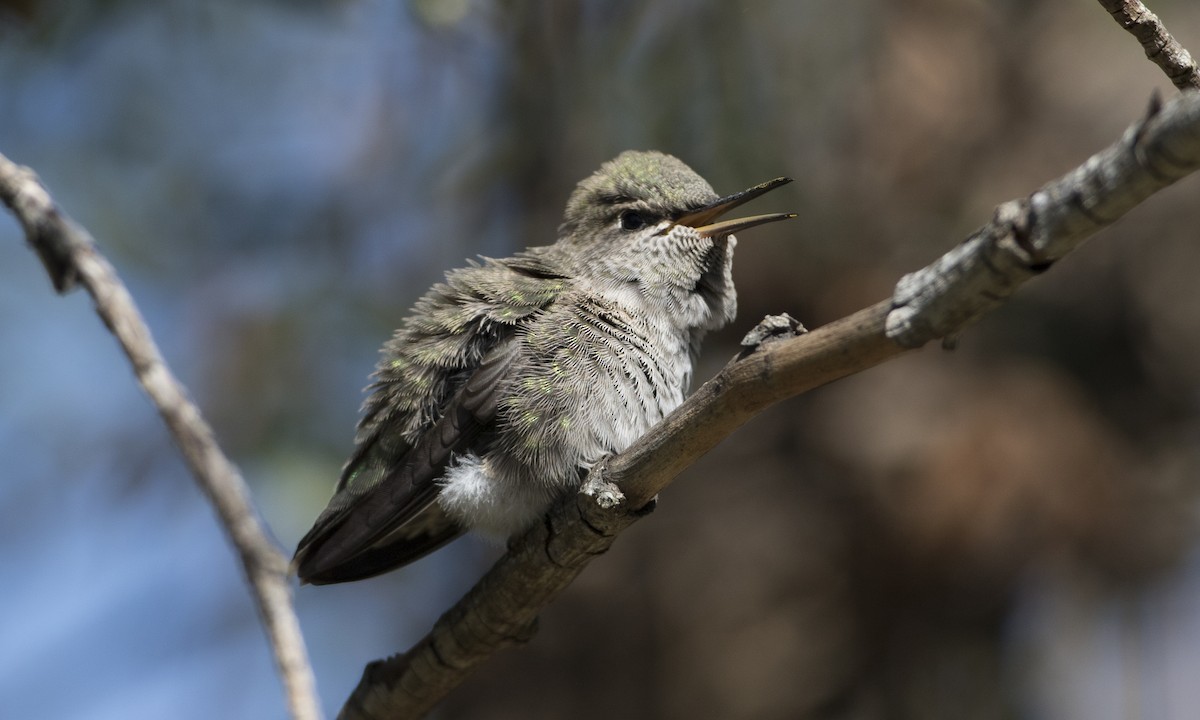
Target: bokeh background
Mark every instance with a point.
(1003, 531)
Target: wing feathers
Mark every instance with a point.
(367, 535)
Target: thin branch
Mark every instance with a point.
(71, 259)
(1023, 239)
(1160, 45)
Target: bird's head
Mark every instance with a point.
(646, 220)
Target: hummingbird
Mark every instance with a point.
(513, 377)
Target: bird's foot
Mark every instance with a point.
(606, 494)
(769, 329)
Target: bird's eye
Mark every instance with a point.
(632, 220)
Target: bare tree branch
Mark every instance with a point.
(71, 259)
(1022, 240)
(1160, 45)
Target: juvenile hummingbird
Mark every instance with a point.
(508, 381)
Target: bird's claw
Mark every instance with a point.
(770, 328)
(606, 494)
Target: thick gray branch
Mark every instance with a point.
(1026, 236)
(1160, 45)
(1023, 239)
(71, 258)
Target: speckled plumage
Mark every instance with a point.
(510, 379)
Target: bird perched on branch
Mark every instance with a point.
(508, 381)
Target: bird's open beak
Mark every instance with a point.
(704, 219)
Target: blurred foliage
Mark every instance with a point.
(984, 533)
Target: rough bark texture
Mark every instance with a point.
(1160, 46)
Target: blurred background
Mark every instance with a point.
(1004, 531)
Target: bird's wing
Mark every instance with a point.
(435, 397)
(397, 520)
